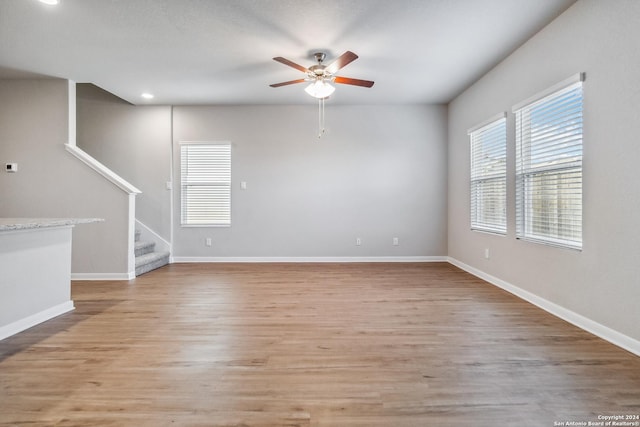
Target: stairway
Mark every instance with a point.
(147, 258)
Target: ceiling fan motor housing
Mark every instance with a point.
(317, 71)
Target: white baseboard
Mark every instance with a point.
(35, 319)
(103, 276)
(308, 259)
(614, 337)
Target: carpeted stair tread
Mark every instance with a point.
(151, 261)
(147, 258)
(142, 248)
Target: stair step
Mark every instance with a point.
(151, 261)
(142, 248)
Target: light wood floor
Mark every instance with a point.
(309, 345)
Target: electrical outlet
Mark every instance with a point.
(396, 241)
(358, 241)
(207, 241)
(486, 253)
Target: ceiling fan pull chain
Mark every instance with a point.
(320, 117)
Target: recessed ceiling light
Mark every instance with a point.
(51, 2)
(147, 95)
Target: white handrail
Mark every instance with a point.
(102, 169)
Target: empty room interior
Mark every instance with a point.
(303, 213)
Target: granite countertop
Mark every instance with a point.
(9, 224)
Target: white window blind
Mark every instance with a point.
(205, 183)
(489, 176)
(549, 167)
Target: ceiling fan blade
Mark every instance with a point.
(290, 82)
(355, 82)
(291, 64)
(344, 59)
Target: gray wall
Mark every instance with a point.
(134, 142)
(379, 172)
(601, 282)
(50, 182)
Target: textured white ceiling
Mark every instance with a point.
(220, 51)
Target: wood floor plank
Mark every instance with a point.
(309, 345)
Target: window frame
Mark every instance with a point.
(482, 140)
(546, 177)
(220, 180)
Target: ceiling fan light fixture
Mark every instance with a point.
(320, 75)
(320, 89)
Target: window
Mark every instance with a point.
(205, 179)
(549, 166)
(489, 176)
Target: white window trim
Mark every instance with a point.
(181, 143)
(578, 77)
(549, 241)
(487, 122)
(474, 226)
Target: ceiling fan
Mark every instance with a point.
(321, 75)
